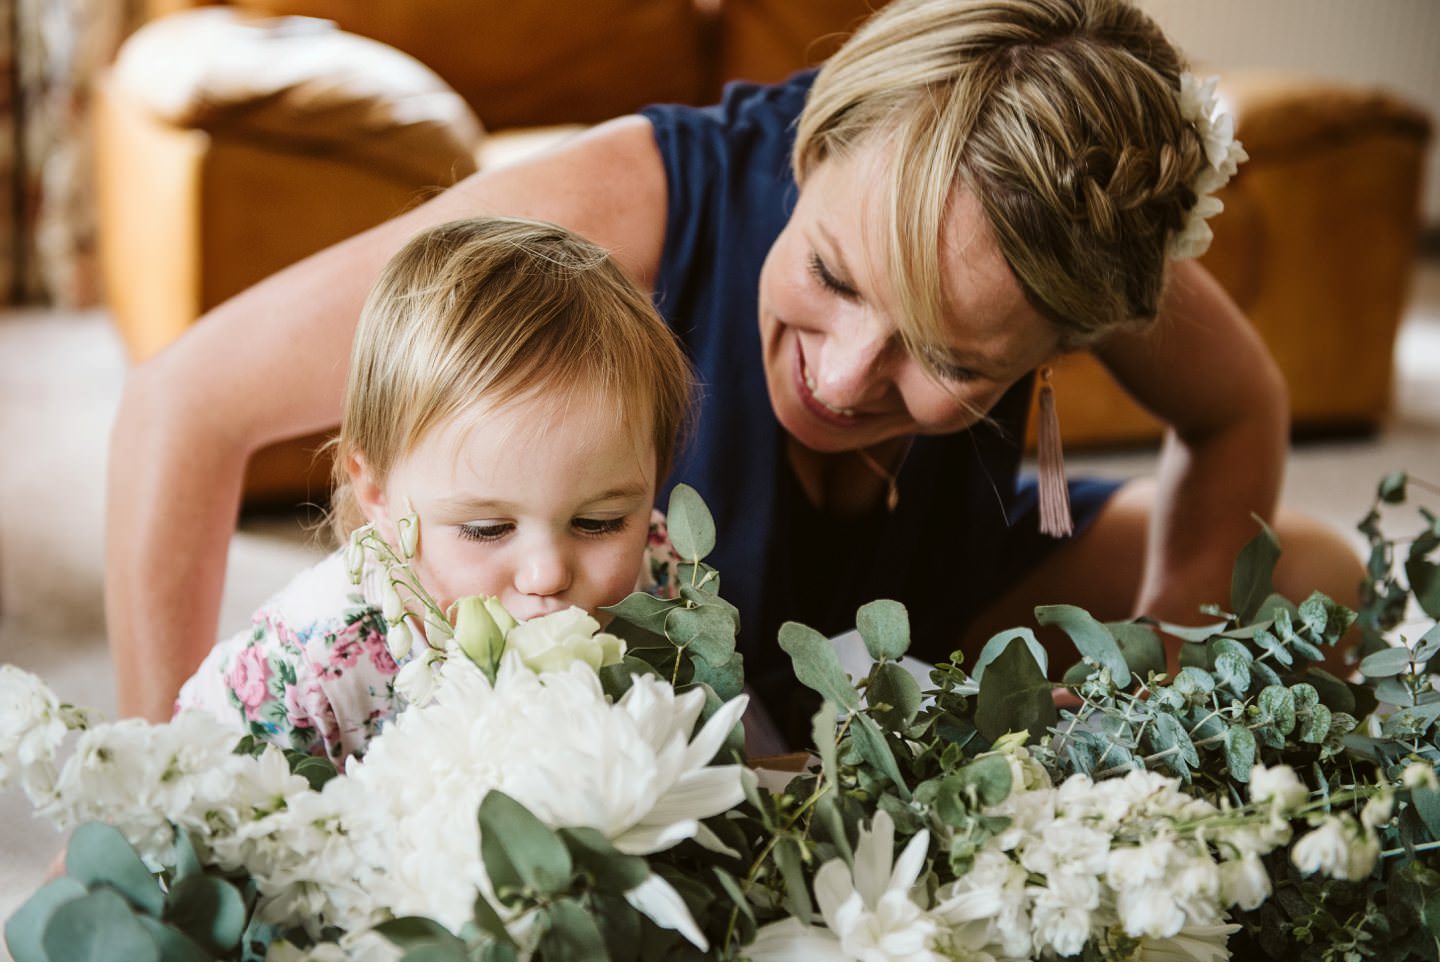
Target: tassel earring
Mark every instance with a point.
(1055, 518)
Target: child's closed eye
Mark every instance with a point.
(595, 526)
(486, 531)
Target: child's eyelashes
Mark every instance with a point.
(492, 531)
(595, 527)
(485, 531)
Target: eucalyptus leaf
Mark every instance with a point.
(1015, 695)
(706, 630)
(1424, 575)
(1188, 633)
(571, 935)
(1178, 737)
(409, 932)
(643, 610)
(612, 870)
(709, 599)
(871, 744)
(1252, 578)
(797, 895)
(1315, 724)
(25, 929)
(97, 927)
(617, 677)
(1324, 618)
(99, 854)
(827, 813)
(519, 851)
(187, 862)
(172, 944)
(1394, 692)
(1093, 639)
(1141, 646)
(987, 779)
(727, 680)
(1276, 703)
(1233, 669)
(209, 910)
(731, 888)
(692, 529)
(1000, 641)
(884, 625)
(1427, 805)
(1240, 752)
(1427, 645)
(1392, 487)
(817, 666)
(317, 771)
(1193, 682)
(893, 685)
(1275, 647)
(1386, 662)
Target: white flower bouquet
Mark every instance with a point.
(556, 793)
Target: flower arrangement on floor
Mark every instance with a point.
(552, 792)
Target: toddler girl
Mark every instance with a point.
(512, 388)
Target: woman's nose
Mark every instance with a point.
(853, 360)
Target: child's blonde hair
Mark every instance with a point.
(1061, 116)
(497, 308)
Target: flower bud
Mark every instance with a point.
(503, 618)
(398, 640)
(479, 636)
(391, 606)
(355, 557)
(437, 630)
(409, 528)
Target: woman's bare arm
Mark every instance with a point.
(270, 363)
(1203, 370)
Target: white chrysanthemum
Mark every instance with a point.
(1223, 155)
(869, 911)
(558, 746)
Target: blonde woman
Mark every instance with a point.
(512, 394)
(867, 267)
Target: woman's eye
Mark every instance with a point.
(486, 531)
(828, 280)
(588, 525)
(953, 373)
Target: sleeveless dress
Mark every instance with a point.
(964, 530)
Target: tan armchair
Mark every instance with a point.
(216, 174)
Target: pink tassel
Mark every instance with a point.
(1055, 518)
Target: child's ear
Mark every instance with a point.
(368, 489)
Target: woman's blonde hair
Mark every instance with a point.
(495, 308)
(1061, 116)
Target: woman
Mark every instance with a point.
(975, 187)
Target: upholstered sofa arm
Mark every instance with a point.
(302, 83)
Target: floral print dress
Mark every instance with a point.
(312, 672)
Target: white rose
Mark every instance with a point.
(1279, 784)
(552, 642)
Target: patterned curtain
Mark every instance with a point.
(51, 52)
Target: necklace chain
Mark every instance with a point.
(892, 492)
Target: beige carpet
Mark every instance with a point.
(60, 377)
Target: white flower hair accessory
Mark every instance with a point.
(1223, 155)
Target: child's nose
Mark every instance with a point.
(544, 571)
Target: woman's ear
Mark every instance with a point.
(369, 490)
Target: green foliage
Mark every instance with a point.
(110, 907)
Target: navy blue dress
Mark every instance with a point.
(964, 530)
